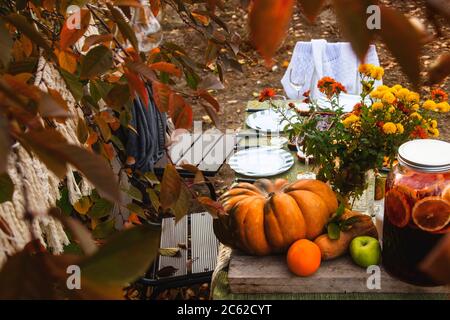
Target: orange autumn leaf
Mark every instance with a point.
(107, 116)
(180, 112)
(204, 20)
(133, 218)
(93, 138)
(18, 84)
(109, 151)
(27, 45)
(74, 28)
(137, 85)
(156, 6)
(166, 67)
(269, 21)
(96, 39)
(67, 60)
(161, 93)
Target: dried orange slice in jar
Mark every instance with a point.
(398, 210)
(446, 193)
(431, 214)
(420, 185)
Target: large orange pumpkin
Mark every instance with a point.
(267, 217)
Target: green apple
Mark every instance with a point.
(365, 251)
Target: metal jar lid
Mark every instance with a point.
(426, 155)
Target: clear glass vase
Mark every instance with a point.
(146, 27)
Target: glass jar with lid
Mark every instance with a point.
(417, 208)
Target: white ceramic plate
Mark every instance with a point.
(347, 101)
(261, 162)
(270, 120)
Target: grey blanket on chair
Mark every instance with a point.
(147, 146)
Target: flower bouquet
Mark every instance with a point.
(359, 141)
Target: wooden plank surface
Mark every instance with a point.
(218, 154)
(199, 150)
(204, 244)
(248, 274)
(173, 234)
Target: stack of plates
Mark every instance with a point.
(261, 161)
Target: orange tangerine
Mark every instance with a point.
(431, 214)
(398, 210)
(304, 257)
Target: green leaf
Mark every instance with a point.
(6, 188)
(63, 202)
(118, 96)
(74, 85)
(170, 186)
(96, 62)
(82, 131)
(125, 258)
(151, 177)
(21, 23)
(117, 143)
(181, 206)
(154, 199)
(100, 209)
(99, 89)
(333, 230)
(104, 229)
(6, 44)
(135, 208)
(134, 193)
(124, 28)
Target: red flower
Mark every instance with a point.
(266, 94)
(419, 132)
(439, 95)
(357, 109)
(403, 109)
(330, 87)
(380, 124)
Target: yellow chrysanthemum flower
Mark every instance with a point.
(396, 88)
(433, 124)
(402, 93)
(413, 97)
(415, 115)
(389, 128)
(347, 122)
(382, 88)
(377, 73)
(375, 94)
(388, 97)
(443, 107)
(400, 128)
(391, 110)
(415, 107)
(365, 68)
(377, 106)
(435, 133)
(429, 105)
